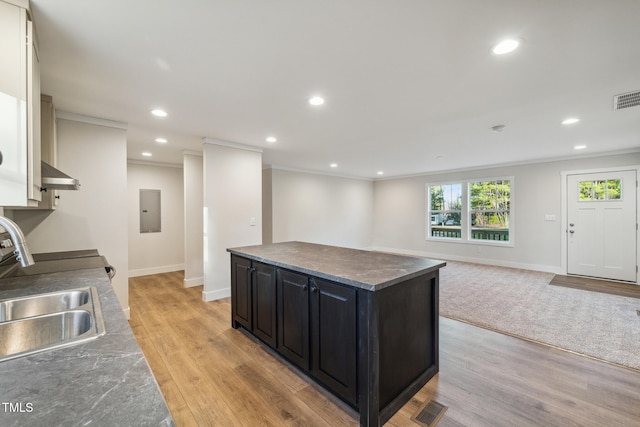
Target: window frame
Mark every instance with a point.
(465, 221)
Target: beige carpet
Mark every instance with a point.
(521, 303)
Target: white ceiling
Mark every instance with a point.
(410, 85)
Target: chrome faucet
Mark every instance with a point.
(23, 256)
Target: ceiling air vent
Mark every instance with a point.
(626, 100)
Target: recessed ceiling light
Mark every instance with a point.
(579, 147)
(334, 165)
(570, 121)
(505, 46)
(146, 154)
(161, 140)
(271, 139)
(316, 100)
(159, 113)
(380, 173)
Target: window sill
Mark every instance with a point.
(496, 243)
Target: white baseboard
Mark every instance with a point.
(156, 270)
(485, 261)
(194, 281)
(215, 295)
(127, 312)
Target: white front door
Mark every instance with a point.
(601, 225)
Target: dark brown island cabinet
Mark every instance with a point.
(362, 324)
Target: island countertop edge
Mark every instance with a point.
(276, 254)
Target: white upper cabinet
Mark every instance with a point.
(20, 179)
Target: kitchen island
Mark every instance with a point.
(103, 382)
(362, 324)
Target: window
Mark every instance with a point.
(489, 205)
(470, 211)
(446, 210)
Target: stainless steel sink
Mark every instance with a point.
(19, 308)
(49, 321)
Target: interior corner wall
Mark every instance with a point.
(267, 206)
(321, 209)
(400, 214)
(232, 211)
(161, 252)
(95, 216)
(193, 202)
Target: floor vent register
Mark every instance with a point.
(429, 414)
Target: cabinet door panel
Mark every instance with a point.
(13, 105)
(293, 317)
(241, 292)
(333, 329)
(407, 348)
(264, 303)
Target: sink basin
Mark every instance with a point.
(49, 321)
(23, 335)
(19, 308)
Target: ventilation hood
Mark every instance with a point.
(53, 179)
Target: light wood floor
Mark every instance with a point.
(597, 285)
(213, 375)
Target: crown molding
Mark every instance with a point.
(312, 172)
(511, 164)
(157, 164)
(230, 144)
(91, 120)
(192, 153)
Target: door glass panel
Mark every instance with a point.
(599, 190)
(586, 190)
(613, 189)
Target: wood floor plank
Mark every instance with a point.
(211, 374)
(205, 401)
(328, 408)
(246, 344)
(183, 416)
(239, 395)
(291, 410)
(597, 285)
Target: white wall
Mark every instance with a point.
(400, 214)
(94, 217)
(232, 203)
(321, 209)
(193, 202)
(153, 253)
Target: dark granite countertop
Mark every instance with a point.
(104, 382)
(354, 267)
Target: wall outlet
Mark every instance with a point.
(252, 221)
(549, 217)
